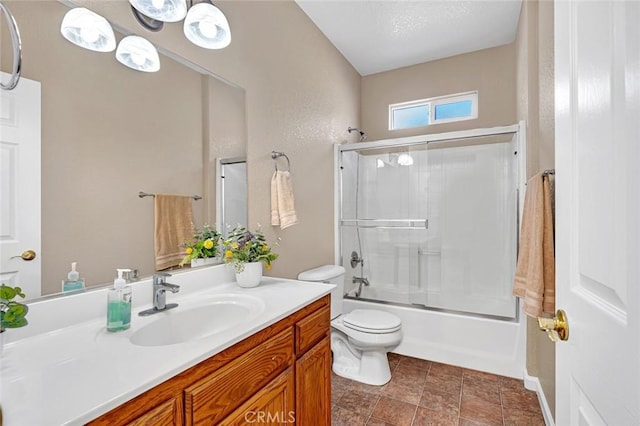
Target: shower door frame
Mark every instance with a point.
(521, 178)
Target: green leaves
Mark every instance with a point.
(242, 246)
(205, 244)
(12, 313)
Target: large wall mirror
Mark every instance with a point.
(109, 132)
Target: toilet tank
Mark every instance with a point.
(330, 274)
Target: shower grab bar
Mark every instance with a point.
(17, 49)
(386, 223)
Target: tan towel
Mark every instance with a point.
(283, 211)
(173, 226)
(536, 273)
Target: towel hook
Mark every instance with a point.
(275, 155)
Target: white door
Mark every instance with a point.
(20, 185)
(597, 51)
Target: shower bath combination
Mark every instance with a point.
(430, 224)
(434, 219)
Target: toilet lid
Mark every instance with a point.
(371, 321)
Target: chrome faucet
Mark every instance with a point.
(360, 281)
(160, 287)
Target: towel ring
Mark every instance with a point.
(17, 49)
(275, 155)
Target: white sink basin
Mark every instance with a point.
(204, 318)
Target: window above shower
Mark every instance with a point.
(425, 112)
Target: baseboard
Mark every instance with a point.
(533, 383)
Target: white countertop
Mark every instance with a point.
(69, 370)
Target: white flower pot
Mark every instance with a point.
(195, 263)
(251, 275)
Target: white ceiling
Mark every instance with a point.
(381, 35)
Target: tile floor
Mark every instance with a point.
(429, 393)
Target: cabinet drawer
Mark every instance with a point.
(312, 329)
(209, 400)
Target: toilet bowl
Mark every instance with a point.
(360, 339)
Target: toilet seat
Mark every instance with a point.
(371, 321)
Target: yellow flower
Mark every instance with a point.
(265, 248)
(228, 254)
(208, 244)
(189, 250)
(268, 266)
(234, 245)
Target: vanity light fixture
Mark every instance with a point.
(138, 53)
(207, 27)
(87, 29)
(162, 10)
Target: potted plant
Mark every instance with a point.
(12, 314)
(247, 251)
(204, 249)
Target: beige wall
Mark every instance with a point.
(491, 72)
(225, 130)
(107, 133)
(535, 104)
(301, 95)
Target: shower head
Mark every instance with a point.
(363, 135)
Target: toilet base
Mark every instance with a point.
(369, 367)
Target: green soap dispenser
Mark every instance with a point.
(73, 281)
(119, 304)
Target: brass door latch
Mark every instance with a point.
(557, 328)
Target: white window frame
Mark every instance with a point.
(431, 103)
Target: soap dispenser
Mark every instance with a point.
(73, 281)
(119, 304)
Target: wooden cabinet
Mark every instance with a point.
(273, 405)
(279, 375)
(313, 385)
(168, 413)
(208, 400)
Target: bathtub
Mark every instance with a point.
(484, 344)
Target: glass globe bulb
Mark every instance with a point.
(138, 53)
(207, 27)
(162, 10)
(89, 30)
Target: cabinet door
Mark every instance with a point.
(313, 385)
(273, 405)
(212, 398)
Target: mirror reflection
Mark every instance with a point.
(108, 132)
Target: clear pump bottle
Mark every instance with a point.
(119, 304)
(73, 281)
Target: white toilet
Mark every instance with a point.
(361, 338)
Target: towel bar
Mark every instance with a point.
(144, 194)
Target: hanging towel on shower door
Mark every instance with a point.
(173, 218)
(535, 272)
(283, 211)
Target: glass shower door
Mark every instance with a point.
(432, 224)
(384, 222)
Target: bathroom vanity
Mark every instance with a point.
(269, 364)
(282, 373)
